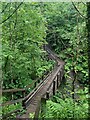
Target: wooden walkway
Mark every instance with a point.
(45, 89)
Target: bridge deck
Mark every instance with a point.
(42, 89)
(40, 92)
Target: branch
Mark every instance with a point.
(4, 8)
(12, 13)
(78, 11)
(83, 3)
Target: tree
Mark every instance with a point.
(22, 38)
(88, 41)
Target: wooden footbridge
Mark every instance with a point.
(43, 89)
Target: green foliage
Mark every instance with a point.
(75, 56)
(23, 36)
(31, 115)
(46, 66)
(10, 108)
(22, 39)
(66, 109)
(60, 21)
(66, 31)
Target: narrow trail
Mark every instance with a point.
(56, 76)
(42, 89)
(45, 89)
(69, 81)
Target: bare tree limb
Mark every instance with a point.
(79, 11)
(12, 13)
(83, 3)
(4, 8)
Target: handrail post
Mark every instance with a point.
(60, 76)
(57, 80)
(35, 84)
(23, 104)
(39, 81)
(54, 87)
(12, 96)
(23, 92)
(42, 77)
(47, 94)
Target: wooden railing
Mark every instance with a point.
(56, 80)
(35, 84)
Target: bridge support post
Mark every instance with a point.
(35, 84)
(57, 80)
(23, 104)
(54, 87)
(23, 93)
(60, 76)
(47, 95)
(42, 77)
(12, 96)
(39, 81)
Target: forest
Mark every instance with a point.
(26, 29)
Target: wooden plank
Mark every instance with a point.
(30, 95)
(57, 80)
(39, 92)
(39, 86)
(35, 84)
(56, 73)
(23, 92)
(54, 87)
(17, 89)
(13, 90)
(47, 95)
(58, 69)
(12, 102)
(8, 114)
(37, 110)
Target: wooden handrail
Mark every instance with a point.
(37, 86)
(27, 97)
(18, 89)
(12, 90)
(55, 75)
(21, 89)
(12, 102)
(8, 114)
(30, 95)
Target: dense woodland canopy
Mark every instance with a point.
(26, 27)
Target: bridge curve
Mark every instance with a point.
(45, 89)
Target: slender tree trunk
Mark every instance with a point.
(88, 41)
